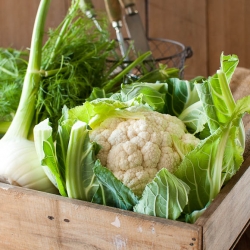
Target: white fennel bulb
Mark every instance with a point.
(19, 164)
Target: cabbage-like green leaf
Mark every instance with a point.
(191, 218)
(194, 118)
(112, 192)
(153, 94)
(62, 142)
(47, 155)
(180, 95)
(216, 97)
(99, 106)
(96, 111)
(166, 196)
(50, 161)
(228, 65)
(181, 147)
(175, 97)
(213, 162)
(81, 182)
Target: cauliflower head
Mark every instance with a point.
(136, 149)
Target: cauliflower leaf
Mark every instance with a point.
(166, 196)
(112, 192)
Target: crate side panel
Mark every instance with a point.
(229, 212)
(36, 220)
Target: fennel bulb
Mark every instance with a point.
(20, 165)
(19, 161)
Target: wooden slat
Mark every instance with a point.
(178, 21)
(37, 220)
(243, 240)
(209, 27)
(228, 214)
(17, 20)
(169, 19)
(183, 21)
(228, 30)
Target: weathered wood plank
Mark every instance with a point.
(228, 30)
(183, 21)
(244, 241)
(228, 214)
(169, 19)
(209, 27)
(37, 220)
(17, 20)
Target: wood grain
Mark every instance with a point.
(182, 21)
(35, 220)
(228, 214)
(243, 242)
(17, 20)
(209, 27)
(228, 30)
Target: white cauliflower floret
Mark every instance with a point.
(189, 138)
(136, 149)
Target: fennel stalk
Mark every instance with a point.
(19, 161)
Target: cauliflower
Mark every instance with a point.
(136, 149)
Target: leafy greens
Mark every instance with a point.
(208, 109)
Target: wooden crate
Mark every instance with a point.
(37, 220)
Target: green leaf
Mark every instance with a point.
(181, 94)
(46, 153)
(50, 161)
(62, 141)
(152, 94)
(81, 182)
(228, 65)
(194, 118)
(217, 99)
(213, 162)
(113, 192)
(182, 100)
(88, 110)
(98, 110)
(191, 218)
(165, 196)
(181, 147)
(215, 94)
(98, 93)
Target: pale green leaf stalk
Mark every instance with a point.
(21, 124)
(230, 102)
(217, 158)
(81, 182)
(207, 168)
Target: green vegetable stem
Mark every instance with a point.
(20, 164)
